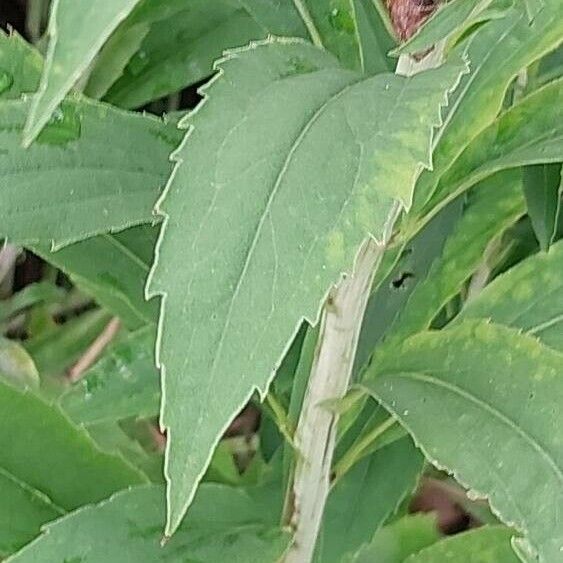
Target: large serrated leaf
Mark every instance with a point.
(48, 465)
(226, 523)
(302, 160)
(529, 296)
(482, 401)
(94, 170)
(77, 30)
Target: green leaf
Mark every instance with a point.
(16, 366)
(492, 207)
(41, 451)
(310, 167)
(483, 545)
(452, 19)
(179, 50)
(529, 297)
(365, 498)
(113, 269)
(22, 512)
(123, 383)
(20, 66)
(480, 400)
(543, 187)
(92, 170)
(225, 524)
(497, 52)
(395, 542)
(375, 39)
(528, 133)
(410, 268)
(77, 30)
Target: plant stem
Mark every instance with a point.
(309, 23)
(315, 435)
(341, 321)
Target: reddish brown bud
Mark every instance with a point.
(408, 15)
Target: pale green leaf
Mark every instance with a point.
(16, 366)
(123, 383)
(482, 400)
(497, 52)
(55, 350)
(492, 207)
(20, 66)
(531, 132)
(395, 542)
(543, 187)
(529, 296)
(113, 269)
(77, 30)
(44, 292)
(225, 524)
(180, 49)
(484, 545)
(41, 450)
(309, 166)
(92, 170)
(366, 497)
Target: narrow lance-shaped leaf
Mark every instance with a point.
(529, 296)
(528, 133)
(226, 523)
(481, 400)
(492, 207)
(366, 498)
(497, 52)
(543, 188)
(308, 160)
(77, 30)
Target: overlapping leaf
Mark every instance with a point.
(529, 297)
(68, 185)
(304, 165)
(48, 466)
(77, 31)
(225, 523)
(180, 44)
(482, 400)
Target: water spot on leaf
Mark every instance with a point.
(342, 20)
(64, 127)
